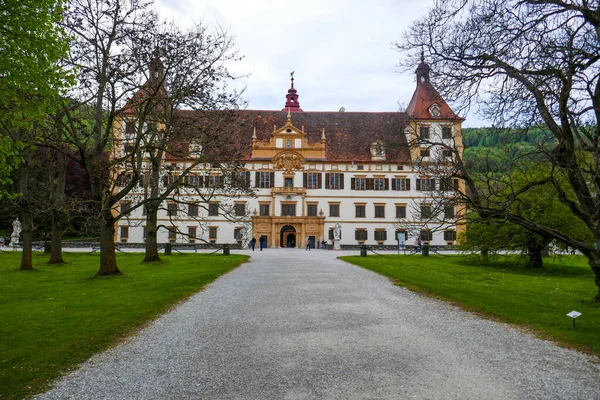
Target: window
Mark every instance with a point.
(401, 211)
(237, 233)
(334, 210)
(171, 209)
(448, 184)
(125, 207)
(446, 132)
(212, 233)
(449, 212)
(192, 234)
(124, 232)
(193, 209)
(446, 153)
(424, 132)
(424, 153)
(213, 209)
(311, 210)
(426, 235)
(240, 209)
(264, 209)
(360, 167)
(379, 211)
(400, 184)
(360, 235)
(449, 236)
(288, 182)
(360, 211)
(144, 210)
(265, 179)
(334, 180)
(172, 233)
(241, 179)
(359, 183)
(214, 181)
(425, 184)
(172, 179)
(380, 235)
(380, 184)
(130, 127)
(312, 180)
(288, 209)
(194, 180)
(426, 211)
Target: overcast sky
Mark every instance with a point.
(341, 50)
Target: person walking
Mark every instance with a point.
(253, 243)
(263, 242)
(308, 244)
(419, 243)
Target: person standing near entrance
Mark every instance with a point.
(308, 244)
(253, 243)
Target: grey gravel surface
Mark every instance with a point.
(294, 324)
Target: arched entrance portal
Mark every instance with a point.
(287, 236)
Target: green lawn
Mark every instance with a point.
(55, 317)
(536, 299)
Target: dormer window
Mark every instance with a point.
(377, 150)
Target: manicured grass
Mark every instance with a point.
(536, 299)
(55, 317)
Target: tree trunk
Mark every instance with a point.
(151, 233)
(58, 216)
(26, 223)
(27, 255)
(534, 252)
(108, 258)
(594, 262)
(56, 246)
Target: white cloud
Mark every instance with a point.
(341, 50)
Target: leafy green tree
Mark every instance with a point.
(526, 64)
(32, 44)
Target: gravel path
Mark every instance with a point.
(294, 324)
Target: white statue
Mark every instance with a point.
(16, 232)
(337, 231)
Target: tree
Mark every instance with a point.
(187, 71)
(108, 38)
(31, 47)
(524, 63)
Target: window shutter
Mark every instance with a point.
(370, 184)
(407, 184)
(394, 184)
(432, 184)
(165, 180)
(320, 181)
(201, 182)
(327, 181)
(247, 179)
(257, 179)
(341, 181)
(272, 179)
(305, 180)
(353, 183)
(387, 184)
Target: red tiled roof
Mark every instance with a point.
(349, 135)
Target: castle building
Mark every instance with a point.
(313, 170)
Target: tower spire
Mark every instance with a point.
(292, 104)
